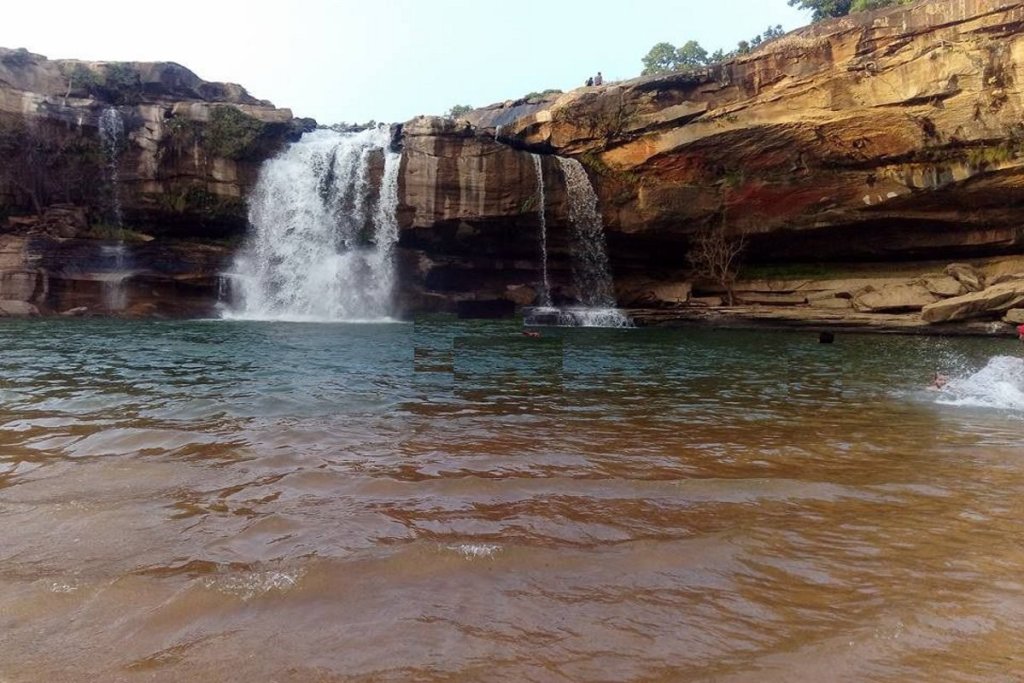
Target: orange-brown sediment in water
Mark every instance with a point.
(453, 501)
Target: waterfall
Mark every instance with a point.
(545, 295)
(322, 237)
(591, 271)
(111, 129)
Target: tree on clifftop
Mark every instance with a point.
(458, 111)
(826, 9)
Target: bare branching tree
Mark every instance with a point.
(715, 254)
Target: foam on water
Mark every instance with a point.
(1000, 384)
(248, 585)
(323, 234)
(477, 551)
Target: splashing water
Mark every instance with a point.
(591, 272)
(321, 246)
(545, 296)
(1000, 384)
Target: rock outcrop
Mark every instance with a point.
(886, 135)
(182, 157)
(883, 137)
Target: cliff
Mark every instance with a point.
(174, 167)
(882, 137)
(873, 166)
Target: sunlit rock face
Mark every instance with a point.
(884, 135)
(887, 136)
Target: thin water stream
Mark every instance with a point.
(239, 501)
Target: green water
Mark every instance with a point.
(454, 500)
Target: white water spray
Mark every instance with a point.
(591, 272)
(999, 385)
(321, 246)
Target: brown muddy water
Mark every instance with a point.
(446, 501)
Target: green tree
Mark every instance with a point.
(458, 111)
(662, 59)
(826, 9)
(691, 55)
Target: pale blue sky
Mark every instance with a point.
(387, 60)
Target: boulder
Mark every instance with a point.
(987, 303)
(894, 299)
(17, 309)
(943, 285)
(967, 275)
(1014, 316)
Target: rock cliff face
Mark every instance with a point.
(885, 136)
(859, 158)
(174, 168)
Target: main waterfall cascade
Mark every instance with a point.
(323, 232)
(111, 130)
(590, 267)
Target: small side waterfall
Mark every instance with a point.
(591, 271)
(111, 129)
(545, 295)
(322, 236)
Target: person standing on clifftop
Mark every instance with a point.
(598, 79)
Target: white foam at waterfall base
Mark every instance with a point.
(322, 233)
(1000, 384)
(592, 276)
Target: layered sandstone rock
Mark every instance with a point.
(883, 135)
(188, 153)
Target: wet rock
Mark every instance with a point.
(991, 302)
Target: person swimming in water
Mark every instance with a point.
(939, 383)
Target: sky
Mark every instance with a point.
(387, 60)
